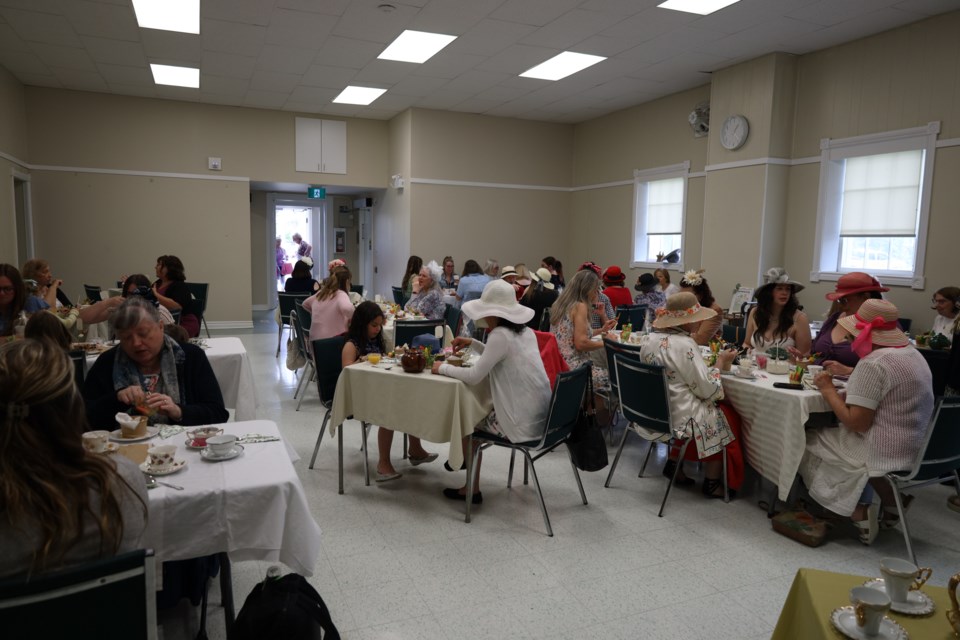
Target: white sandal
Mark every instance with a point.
(869, 528)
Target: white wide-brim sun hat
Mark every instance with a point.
(498, 299)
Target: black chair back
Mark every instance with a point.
(287, 301)
(304, 316)
(407, 330)
(545, 319)
(565, 403)
(198, 291)
(92, 292)
(399, 296)
(905, 324)
(327, 360)
(731, 333)
(643, 393)
(176, 316)
(452, 318)
(79, 358)
(940, 453)
(357, 288)
(612, 348)
(939, 362)
(65, 604)
(635, 314)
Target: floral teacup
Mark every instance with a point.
(200, 434)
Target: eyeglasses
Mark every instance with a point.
(7, 289)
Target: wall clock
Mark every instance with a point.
(734, 132)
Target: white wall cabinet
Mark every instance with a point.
(321, 145)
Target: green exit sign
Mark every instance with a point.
(318, 193)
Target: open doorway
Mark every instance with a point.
(306, 219)
(22, 219)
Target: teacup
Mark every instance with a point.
(953, 615)
(160, 457)
(746, 367)
(814, 369)
(96, 441)
(201, 434)
(373, 358)
(870, 606)
(900, 577)
(221, 445)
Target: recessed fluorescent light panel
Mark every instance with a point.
(416, 46)
(168, 15)
(359, 95)
(702, 7)
(562, 65)
(176, 76)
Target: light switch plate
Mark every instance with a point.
(214, 164)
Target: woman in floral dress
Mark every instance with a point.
(694, 391)
(570, 322)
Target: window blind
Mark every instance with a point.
(881, 194)
(665, 206)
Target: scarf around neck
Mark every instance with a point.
(125, 372)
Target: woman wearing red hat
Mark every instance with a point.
(613, 279)
(853, 289)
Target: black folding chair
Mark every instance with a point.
(635, 314)
(92, 292)
(406, 330)
(199, 292)
(327, 358)
(286, 301)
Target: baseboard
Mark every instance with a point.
(230, 324)
(263, 307)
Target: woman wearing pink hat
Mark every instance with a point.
(853, 289)
(883, 418)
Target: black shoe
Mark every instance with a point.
(713, 488)
(668, 470)
(446, 465)
(454, 494)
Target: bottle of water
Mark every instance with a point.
(20, 325)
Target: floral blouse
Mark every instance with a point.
(693, 390)
(428, 303)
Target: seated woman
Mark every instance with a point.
(570, 321)
(492, 269)
(139, 285)
(602, 311)
(694, 391)
(449, 279)
(44, 325)
(694, 282)
(650, 294)
(538, 296)
(428, 301)
(172, 292)
(331, 309)
(364, 337)
(301, 280)
(151, 374)
(61, 505)
(510, 359)
(883, 420)
(946, 302)
(48, 287)
(414, 264)
(13, 297)
(472, 281)
(777, 321)
(613, 279)
(663, 279)
(836, 356)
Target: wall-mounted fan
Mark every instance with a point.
(699, 119)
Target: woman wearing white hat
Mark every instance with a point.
(511, 360)
(777, 320)
(883, 418)
(540, 295)
(694, 391)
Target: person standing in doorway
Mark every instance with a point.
(281, 260)
(304, 250)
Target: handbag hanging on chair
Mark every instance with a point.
(587, 446)
(295, 357)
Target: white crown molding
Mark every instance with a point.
(146, 174)
(487, 185)
(949, 142)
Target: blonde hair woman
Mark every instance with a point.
(59, 505)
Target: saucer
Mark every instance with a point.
(918, 603)
(844, 619)
(207, 454)
(189, 445)
(749, 375)
(176, 466)
(117, 435)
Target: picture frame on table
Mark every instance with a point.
(340, 240)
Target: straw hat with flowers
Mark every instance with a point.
(682, 308)
(874, 323)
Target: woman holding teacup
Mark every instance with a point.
(60, 505)
(777, 320)
(694, 392)
(151, 374)
(883, 418)
(365, 339)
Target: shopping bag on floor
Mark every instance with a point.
(284, 607)
(800, 526)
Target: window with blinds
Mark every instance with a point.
(874, 205)
(659, 209)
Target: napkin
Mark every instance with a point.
(168, 430)
(126, 421)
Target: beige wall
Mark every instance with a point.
(13, 144)
(261, 256)
(391, 212)
(98, 227)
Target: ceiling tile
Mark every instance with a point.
(344, 52)
(489, 37)
(303, 107)
(570, 29)
(443, 100)
(225, 99)
(363, 21)
(453, 17)
(227, 64)
(223, 85)
(284, 59)
(33, 26)
(255, 12)
(313, 95)
(385, 72)
(319, 75)
(535, 12)
(927, 7)
(502, 93)
(115, 51)
(10, 41)
(605, 45)
(80, 79)
(102, 20)
(649, 24)
(448, 65)
(171, 47)
(475, 105)
(392, 102)
(43, 6)
(178, 93)
(64, 57)
(517, 58)
(38, 80)
(121, 74)
(299, 28)
(264, 99)
(231, 37)
(418, 86)
(476, 81)
(330, 7)
(26, 62)
(135, 90)
(346, 110)
(274, 82)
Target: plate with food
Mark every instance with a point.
(90, 347)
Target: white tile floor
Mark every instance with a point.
(398, 561)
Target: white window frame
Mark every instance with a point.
(826, 249)
(640, 180)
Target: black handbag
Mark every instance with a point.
(587, 447)
(285, 607)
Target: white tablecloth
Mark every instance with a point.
(253, 507)
(432, 407)
(231, 366)
(773, 424)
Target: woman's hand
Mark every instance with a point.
(725, 359)
(608, 325)
(132, 395)
(795, 354)
(164, 404)
(823, 381)
(436, 366)
(459, 343)
(835, 368)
